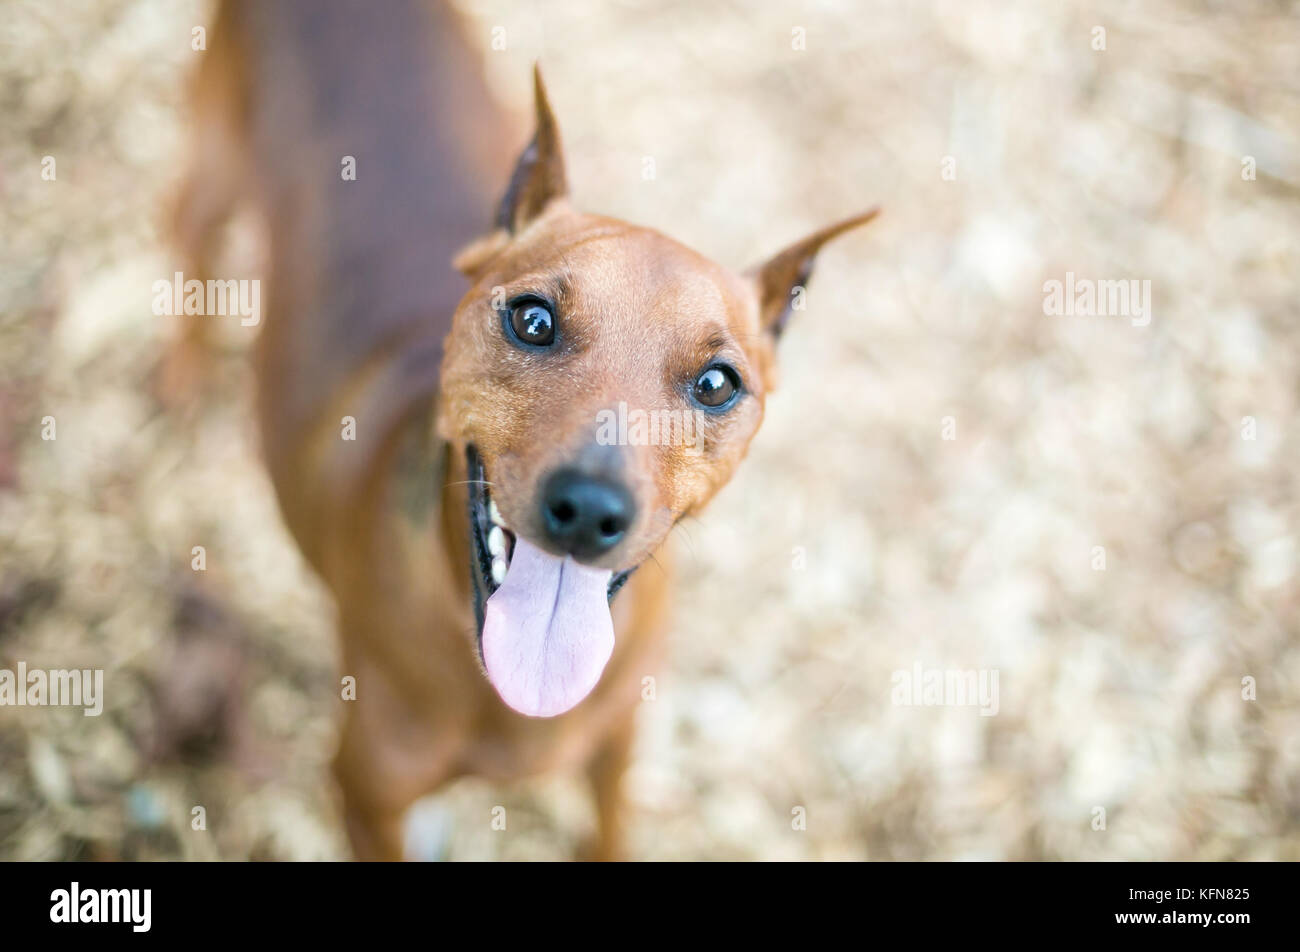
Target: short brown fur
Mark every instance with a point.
(362, 320)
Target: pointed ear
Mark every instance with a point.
(783, 275)
(539, 175)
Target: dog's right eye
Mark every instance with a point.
(533, 323)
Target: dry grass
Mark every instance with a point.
(1118, 688)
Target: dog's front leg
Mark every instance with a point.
(374, 832)
(389, 755)
(605, 770)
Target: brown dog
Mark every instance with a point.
(460, 490)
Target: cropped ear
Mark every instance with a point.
(782, 276)
(539, 177)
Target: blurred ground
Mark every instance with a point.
(1119, 688)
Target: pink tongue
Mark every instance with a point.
(547, 633)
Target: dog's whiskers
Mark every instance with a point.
(468, 482)
(690, 543)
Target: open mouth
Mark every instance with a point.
(544, 628)
(491, 542)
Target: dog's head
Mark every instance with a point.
(602, 381)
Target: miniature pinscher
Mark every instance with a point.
(436, 452)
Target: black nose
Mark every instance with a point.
(585, 516)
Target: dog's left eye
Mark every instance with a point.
(533, 323)
(717, 386)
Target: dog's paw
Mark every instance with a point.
(599, 849)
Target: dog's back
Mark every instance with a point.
(365, 136)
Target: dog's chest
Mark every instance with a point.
(507, 747)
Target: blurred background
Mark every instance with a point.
(1007, 149)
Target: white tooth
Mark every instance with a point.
(494, 513)
(497, 541)
(499, 570)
